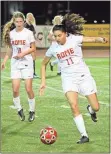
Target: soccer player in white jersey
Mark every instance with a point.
(21, 44)
(75, 74)
(56, 21)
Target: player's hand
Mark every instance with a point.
(41, 89)
(3, 66)
(19, 56)
(105, 40)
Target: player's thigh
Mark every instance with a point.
(93, 101)
(72, 97)
(15, 84)
(28, 84)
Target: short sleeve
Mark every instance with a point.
(49, 52)
(78, 39)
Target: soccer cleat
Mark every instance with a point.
(35, 76)
(21, 114)
(51, 67)
(59, 73)
(93, 115)
(83, 139)
(31, 116)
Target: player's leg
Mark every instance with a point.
(34, 66)
(31, 99)
(35, 75)
(16, 76)
(93, 107)
(78, 119)
(34, 58)
(16, 98)
(58, 70)
(88, 88)
(52, 63)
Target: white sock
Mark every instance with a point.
(31, 104)
(17, 103)
(80, 125)
(91, 110)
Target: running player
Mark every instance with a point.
(31, 24)
(56, 21)
(75, 75)
(21, 43)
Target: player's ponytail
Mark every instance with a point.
(10, 26)
(73, 23)
(6, 30)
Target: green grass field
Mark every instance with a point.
(53, 109)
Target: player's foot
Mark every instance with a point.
(93, 115)
(83, 139)
(51, 67)
(35, 76)
(31, 116)
(21, 114)
(59, 73)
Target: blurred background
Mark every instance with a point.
(44, 11)
(96, 13)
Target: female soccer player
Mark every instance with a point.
(56, 21)
(31, 24)
(21, 43)
(75, 75)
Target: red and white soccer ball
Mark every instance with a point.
(48, 135)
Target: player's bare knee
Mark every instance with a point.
(15, 91)
(29, 90)
(74, 107)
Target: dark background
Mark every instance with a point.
(44, 11)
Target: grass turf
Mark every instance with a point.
(53, 109)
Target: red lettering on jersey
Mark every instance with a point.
(71, 50)
(65, 53)
(18, 42)
(24, 42)
(58, 56)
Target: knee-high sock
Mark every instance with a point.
(80, 125)
(17, 104)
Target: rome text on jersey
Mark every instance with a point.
(65, 53)
(18, 42)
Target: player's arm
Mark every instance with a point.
(26, 52)
(43, 74)
(7, 56)
(95, 39)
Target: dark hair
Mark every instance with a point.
(60, 27)
(72, 23)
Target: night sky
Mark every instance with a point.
(90, 10)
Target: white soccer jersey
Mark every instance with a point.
(20, 42)
(69, 55)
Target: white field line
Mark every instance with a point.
(54, 89)
(98, 67)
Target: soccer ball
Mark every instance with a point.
(48, 135)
